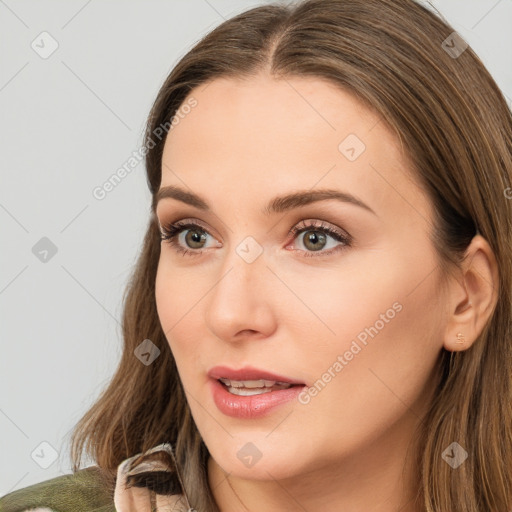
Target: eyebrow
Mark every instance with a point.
(278, 204)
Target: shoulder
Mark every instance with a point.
(85, 490)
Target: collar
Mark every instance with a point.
(143, 498)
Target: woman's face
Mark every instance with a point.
(356, 316)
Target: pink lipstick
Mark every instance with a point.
(249, 392)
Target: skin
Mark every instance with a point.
(244, 143)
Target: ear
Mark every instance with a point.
(472, 299)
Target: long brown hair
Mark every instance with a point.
(454, 125)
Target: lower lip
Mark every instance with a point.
(249, 407)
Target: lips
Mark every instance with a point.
(250, 393)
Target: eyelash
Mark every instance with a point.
(171, 231)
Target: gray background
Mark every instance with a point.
(67, 123)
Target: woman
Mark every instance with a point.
(320, 315)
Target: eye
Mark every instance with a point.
(316, 240)
(194, 239)
(314, 237)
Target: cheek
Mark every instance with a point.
(177, 296)
(379, 360)
(372, 296)
(333, 306)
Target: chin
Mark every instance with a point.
(252, 457)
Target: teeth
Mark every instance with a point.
(253, 384)
(248, 391)
(253, 387)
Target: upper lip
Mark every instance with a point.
(248, 373)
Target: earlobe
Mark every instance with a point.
(472, 298)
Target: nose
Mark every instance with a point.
(241, 303)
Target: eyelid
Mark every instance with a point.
(320, 225)
(187, 220)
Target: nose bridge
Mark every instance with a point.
(238, 301)
(243, 271)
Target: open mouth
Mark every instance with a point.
(253, 387)
(243, 397)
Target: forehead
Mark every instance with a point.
(281, 112)
(260, 137)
